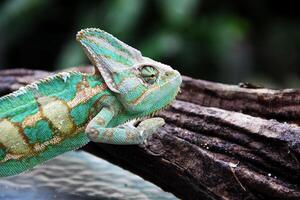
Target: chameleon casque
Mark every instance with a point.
(65, 111)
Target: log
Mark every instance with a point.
(219, 142)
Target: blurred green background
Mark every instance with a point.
(224, 41)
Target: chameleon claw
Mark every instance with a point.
(149, 126)
(134, 86)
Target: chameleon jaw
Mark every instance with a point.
(136, 120)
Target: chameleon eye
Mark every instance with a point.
(149, 74)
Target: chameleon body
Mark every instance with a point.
(66, 111)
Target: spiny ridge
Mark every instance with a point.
(22, 93)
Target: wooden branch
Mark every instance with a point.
(212, 153)
(282, 105)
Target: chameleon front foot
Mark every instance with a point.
(125, 134)
(149, 126)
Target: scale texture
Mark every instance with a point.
(67, 110)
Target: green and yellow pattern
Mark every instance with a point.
(66, 111)
(48, 118)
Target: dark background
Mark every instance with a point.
(225, 41)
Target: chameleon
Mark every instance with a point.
(65, 111)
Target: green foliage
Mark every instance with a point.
(220, 41)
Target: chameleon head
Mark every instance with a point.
(141, 84)
(148, 87)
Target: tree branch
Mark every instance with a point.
(282, 105)
(212, 153)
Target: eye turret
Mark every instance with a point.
(149, 74)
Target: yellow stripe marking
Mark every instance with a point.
(83, 96)
(37, 148)
(31, 120)
(40, 147)
(12, 139)
(142, 97)
(57, 112)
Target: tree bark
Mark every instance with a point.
(220, 141)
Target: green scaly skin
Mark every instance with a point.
(66, 111)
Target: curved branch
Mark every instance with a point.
(212, 153)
